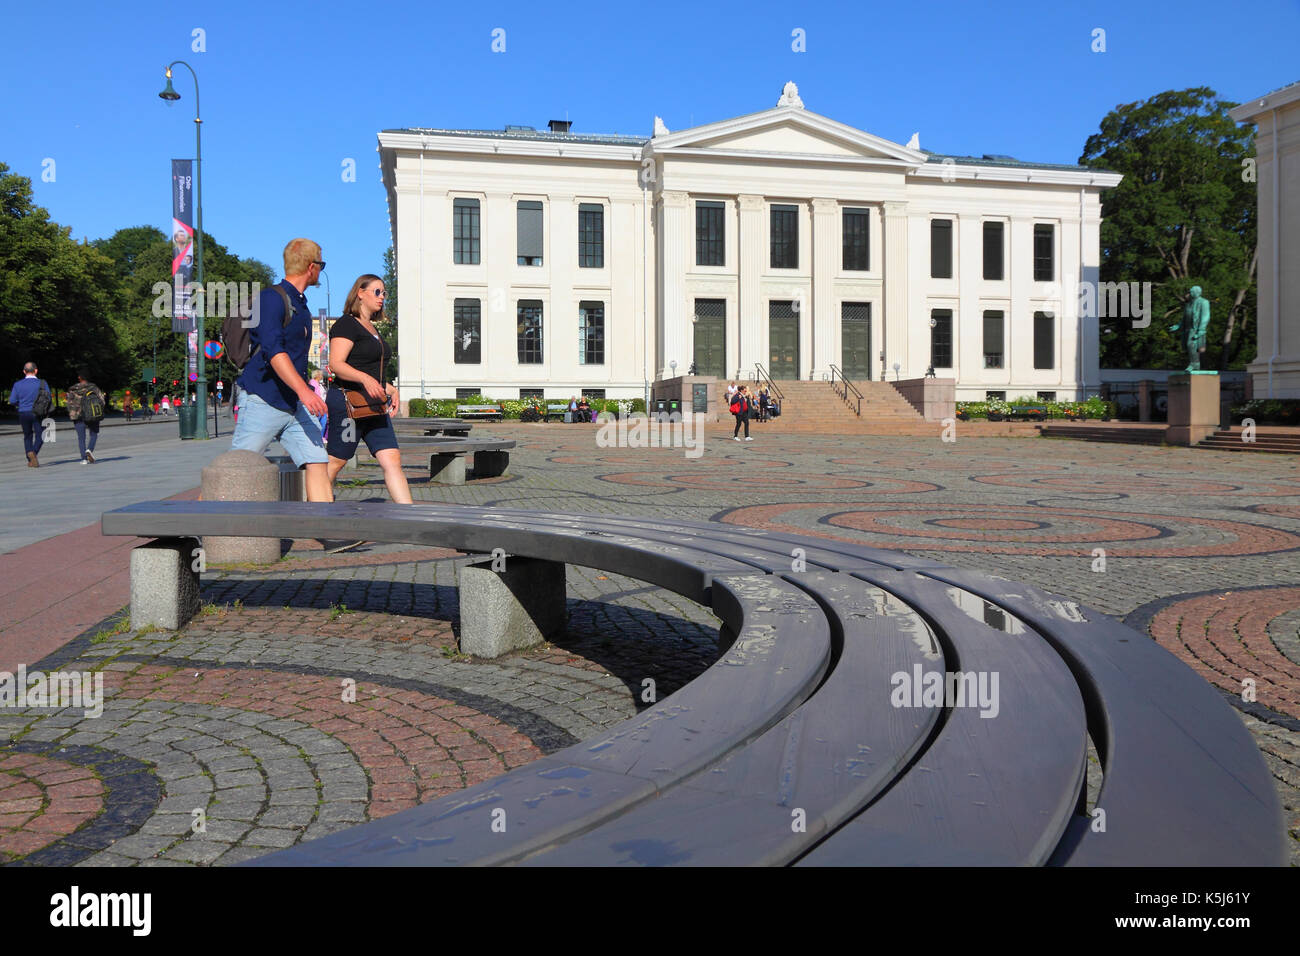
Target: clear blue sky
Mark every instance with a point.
(291, 91)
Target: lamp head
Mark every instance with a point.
(169, 93)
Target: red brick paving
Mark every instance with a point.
(43, 800)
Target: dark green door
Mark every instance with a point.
(855, 340)
(783, 340)
(711, 337)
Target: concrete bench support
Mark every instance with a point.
(490, 464)
(447, 469)
(502, 611)
(164, 584)
(241, 476)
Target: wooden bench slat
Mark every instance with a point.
(1183, 782)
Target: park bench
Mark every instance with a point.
(1033, 413)
(433, 426)
(492, 413)
(447, 454)
(557, 411)
(793, 747)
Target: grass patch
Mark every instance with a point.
(338, 610)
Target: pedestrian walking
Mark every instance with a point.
(31, 396)
(166, 405)
(361, 398)
(277, 404)
(740, 407)
(128, 406)
(86, 402)
(318, 387)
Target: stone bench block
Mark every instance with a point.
(491, 464)
(164, 584)
(447, 469)
(241, 476)
(502, 611)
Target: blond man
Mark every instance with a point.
(278, 401)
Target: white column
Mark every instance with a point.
(675, 248)
(826, 253)
(894, 326)
(751, 326)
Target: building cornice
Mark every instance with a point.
(536, 149)
(951, 172)
(1246, 112)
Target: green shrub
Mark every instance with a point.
(1268, 411)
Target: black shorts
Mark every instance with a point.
(376, 430)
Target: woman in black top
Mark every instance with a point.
(361, 361)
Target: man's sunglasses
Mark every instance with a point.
(319, 263)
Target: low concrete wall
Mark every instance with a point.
(934, 398)
(680, 389)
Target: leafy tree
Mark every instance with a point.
(56, 295)
(388, 330)
(1183, 215)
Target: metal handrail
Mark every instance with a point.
(848, 387)
(761, 376)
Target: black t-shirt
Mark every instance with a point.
(367, 352)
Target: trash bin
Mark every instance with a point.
(188, 416)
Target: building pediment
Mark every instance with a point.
(786, 131)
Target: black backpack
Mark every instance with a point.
(43, 402)
(92, 406)
(235, 335)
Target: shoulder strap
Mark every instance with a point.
(288, 304)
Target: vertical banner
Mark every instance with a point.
(182, 245)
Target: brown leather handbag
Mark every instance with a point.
(361, 404)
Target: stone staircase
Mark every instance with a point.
(1127, 434)
(817, 404)
(1277, 440)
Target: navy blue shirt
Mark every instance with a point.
(25, 390)
(274, 337)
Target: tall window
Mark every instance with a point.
(464, 232)
(940, 248)
(785, 237)
(941, 338)
(529, 221)
(857, 240)
(1044, 340)
(993, 250)
(529, 329)
(591, 236)
(1044, 252)
(591, 333)
(710, 234)
(467, 349)
(993, 339)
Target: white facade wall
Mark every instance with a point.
(782, 156)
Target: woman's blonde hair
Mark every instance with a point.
(350, 306)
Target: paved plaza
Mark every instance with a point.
(237, 735)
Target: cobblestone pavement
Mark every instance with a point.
(327, 689)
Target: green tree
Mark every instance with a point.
(56, 295)
(388, 331)
(1183, 215)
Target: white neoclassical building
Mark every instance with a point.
(1275, 373)
(546, 263)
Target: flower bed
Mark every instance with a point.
(1268, 411)
(513, 408)
(998, 410)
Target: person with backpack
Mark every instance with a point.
(31, 396)
(277, 402)
(740, 407)
(86, 402)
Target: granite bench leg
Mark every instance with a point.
(164, 584)
(502, 611)
(491, 464)
(447, 469)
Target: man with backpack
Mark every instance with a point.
(277, 402)
(31, 396)
(86, 402)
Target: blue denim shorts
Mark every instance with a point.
(376, 430)
(260, 424)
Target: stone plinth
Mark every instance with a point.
(1193, 407)
(934, 398)
(516, 607)
(165, 584)
(491, 464)
(447, 469)
(241, 476)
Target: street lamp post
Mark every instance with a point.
(201, 386)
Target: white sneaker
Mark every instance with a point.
(84, 462)
(748, 439)
(735, 438)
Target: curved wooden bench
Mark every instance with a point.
(433, 426)
(795, 746)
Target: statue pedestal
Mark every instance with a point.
(1193, 407)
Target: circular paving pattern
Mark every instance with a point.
(1130, 484)
(43, 799)
(1012, 529)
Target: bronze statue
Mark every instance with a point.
(1196, 319)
